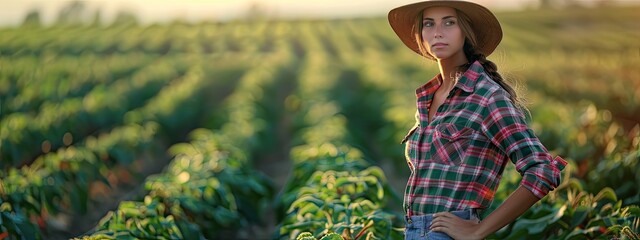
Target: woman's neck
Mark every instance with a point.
(449, 71)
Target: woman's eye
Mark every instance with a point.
(427, 24)
(449, 23)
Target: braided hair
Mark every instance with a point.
(491, 69)
(473, 54)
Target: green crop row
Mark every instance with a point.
(157, 39)
(32, 81)
(210, 188)
(332, 189)
(61, 180)
(206, 190)
(344, 195)
(101, 108)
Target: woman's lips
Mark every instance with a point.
(436, 45)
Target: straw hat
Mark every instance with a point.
(484, 24)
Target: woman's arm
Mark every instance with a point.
(514, 206)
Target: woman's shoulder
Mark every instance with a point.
(489, 88)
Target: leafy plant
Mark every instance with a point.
(572, 213)
(309, 236)
(135, 220)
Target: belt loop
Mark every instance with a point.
(425, 226)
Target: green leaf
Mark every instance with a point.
(224, 216)
(583, 233)
(306, 236)
(606, 194)
(539, 225)
(305, 200)
(380, 190)
(634, 210)
(27, 230)
(579, 215)
(309, 208)
(189, 230)
(332, 236)
(301, 225)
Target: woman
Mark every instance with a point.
(470, 123)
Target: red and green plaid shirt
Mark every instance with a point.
(457, 160)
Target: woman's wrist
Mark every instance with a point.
(516, 204)
(481, 231)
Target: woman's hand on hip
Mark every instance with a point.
(455, 227)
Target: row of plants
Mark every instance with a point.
(101, 108)
(588, 60)
(157, 39)
(206, 192)
(344, 194)
(62, 180)
(609, 81)
(31, 80)
(575, 29)
(333, 192)
(210, 189)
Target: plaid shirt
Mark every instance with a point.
(457, 160)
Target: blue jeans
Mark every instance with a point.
(418, 226)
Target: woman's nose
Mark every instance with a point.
(437, 33)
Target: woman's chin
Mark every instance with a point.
(440, 55)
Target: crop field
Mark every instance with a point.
(285, 129)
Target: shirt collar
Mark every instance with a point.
(467, 81)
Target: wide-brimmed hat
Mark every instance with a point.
(485, 25)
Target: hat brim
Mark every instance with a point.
(484, 24)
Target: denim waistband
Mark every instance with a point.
(417, 226)
(465, 214)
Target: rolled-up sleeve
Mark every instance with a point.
(505, 126)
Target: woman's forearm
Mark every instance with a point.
(514, 206)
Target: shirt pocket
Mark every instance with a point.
(451, 143)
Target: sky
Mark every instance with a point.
(12, 12)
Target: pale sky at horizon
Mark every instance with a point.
(12, 12)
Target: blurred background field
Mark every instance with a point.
(269, 127)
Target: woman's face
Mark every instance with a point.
(441, 34)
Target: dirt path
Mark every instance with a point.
(276, 164)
